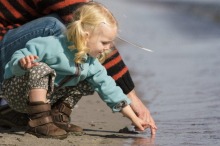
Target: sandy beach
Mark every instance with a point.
(101, 128)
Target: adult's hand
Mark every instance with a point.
(142, 111)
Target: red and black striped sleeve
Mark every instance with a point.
(64, 8)
(14, 13)
(117, 69)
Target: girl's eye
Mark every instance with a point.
(105, 43)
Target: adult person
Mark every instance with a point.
(22, 20)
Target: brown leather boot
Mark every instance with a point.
(41, 123)
(61, 116)
(10, 118)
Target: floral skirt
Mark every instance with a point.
(16, 89)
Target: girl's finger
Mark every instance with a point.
(32, 58)
(35, 64)
(140, 128)
(22, 62)
(153, 131)
(152, 123)
(28, 59)
(36, 57)
(143, 126)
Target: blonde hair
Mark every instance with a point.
(87, 18)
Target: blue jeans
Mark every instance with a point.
(16, 39)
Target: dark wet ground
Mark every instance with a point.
(180, 80)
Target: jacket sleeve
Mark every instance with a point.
(14, 63)
(33, 47)
(106, 87)
(64, 8)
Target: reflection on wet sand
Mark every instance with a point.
(143, 141)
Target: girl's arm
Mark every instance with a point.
(139, 123)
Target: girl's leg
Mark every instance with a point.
(28, 94)
(41, 122)
(38, 95)
(68, 98)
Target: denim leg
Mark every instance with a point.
(16, 39)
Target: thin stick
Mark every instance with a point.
(138, 46)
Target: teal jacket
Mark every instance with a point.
(55, 53)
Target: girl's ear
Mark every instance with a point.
(87, 34)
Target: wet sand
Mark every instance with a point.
(180, 80)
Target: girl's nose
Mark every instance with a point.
(109, 46)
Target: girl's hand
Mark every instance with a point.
(140, 124)
(28, 61)
(142, 111)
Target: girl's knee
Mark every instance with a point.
(41, 70)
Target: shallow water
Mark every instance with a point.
(179, 81)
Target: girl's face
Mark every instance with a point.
(100, 39)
